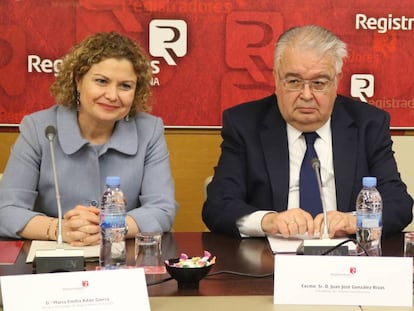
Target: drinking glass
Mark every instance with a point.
(148, 252)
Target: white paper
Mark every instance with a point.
(343, 280)
(89, 251)
(281, 245)
(105, 290)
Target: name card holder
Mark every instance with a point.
(104, 290)
(343, 280)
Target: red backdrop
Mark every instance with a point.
(208, 55)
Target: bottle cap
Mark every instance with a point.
(113, 180)
(369, 181)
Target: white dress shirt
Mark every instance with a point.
(250, 225)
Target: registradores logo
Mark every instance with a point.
(362, 86)
(168, 39)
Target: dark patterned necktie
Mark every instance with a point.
(310, 199)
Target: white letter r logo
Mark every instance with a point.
(362, 86)
(168, 38)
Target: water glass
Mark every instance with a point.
(409, 244)
(148, 252)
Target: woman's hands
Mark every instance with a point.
(80, 226)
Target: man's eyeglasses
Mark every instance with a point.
(316, 85)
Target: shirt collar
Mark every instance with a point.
(124, 139)
(324, 132)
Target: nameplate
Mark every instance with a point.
(105, 290)
(343, 280)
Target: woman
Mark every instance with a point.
(102, 128)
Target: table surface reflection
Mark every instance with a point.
(243, 266)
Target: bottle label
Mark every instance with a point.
(369, 220)
(370, 223)
(112, 221)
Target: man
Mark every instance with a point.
(255, 190)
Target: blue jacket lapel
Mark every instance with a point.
(273, 137)
(345, 149)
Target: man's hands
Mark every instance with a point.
(297, 222)
(339, 224)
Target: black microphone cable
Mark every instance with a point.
(265, 275)
(333, 248)
(210, 275)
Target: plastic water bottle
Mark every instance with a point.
(113, 225)
(369, 217)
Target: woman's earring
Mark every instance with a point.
(127, 118)
(77, 101)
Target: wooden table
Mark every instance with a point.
(241, 279)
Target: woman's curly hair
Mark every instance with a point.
(94, 49)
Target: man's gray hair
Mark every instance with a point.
(312, 38)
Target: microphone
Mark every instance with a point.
(59, 259)
(316, 165)
(50, 133)
(324, 244)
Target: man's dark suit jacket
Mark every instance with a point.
(253, 170)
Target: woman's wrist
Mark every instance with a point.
(49, 230)
(52, 230)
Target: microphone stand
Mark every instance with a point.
(320, 246)
(59, 237)
(316, 164)
(59, 259)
